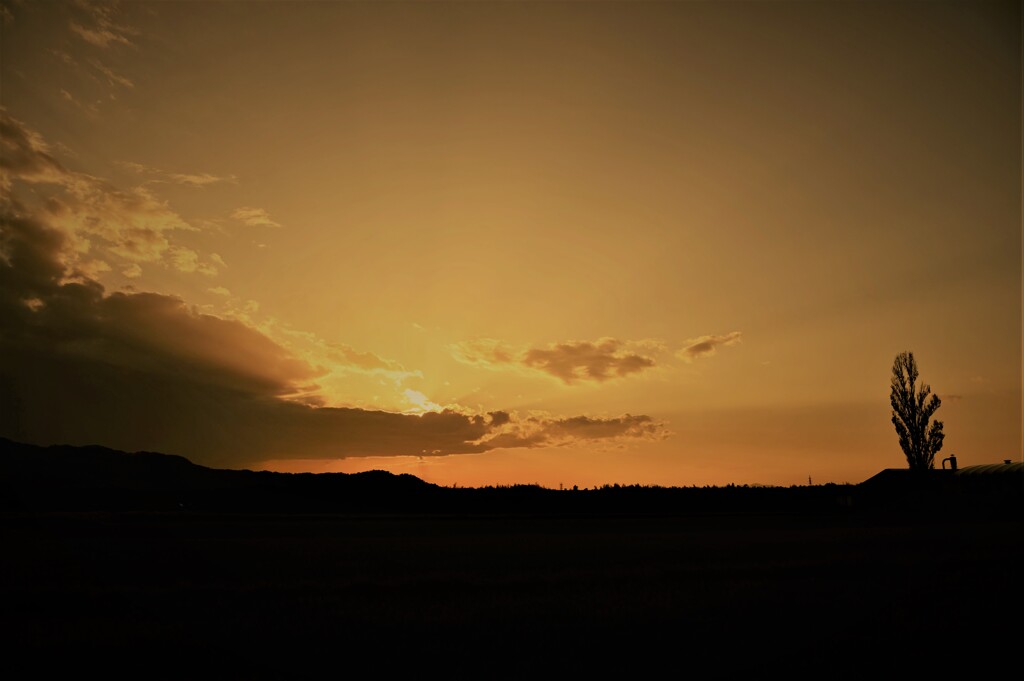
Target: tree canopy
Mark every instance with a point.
(912, 409)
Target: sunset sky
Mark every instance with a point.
(485, 243)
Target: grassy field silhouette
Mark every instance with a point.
(719, 593)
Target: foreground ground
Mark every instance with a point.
(213, 595)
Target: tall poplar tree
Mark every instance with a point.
(912, 409)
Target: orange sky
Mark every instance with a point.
(489, 243)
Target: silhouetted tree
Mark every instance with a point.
(911, 411)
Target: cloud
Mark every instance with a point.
(187, 260)
(99, 26)
(190, 179)
(25, 155)
(547, 431)
(705, 346)
(65, 58)
(143, 370)
(206, 269)
(140, 331)
(420, 402)
(100, 36)
(335, 359)
(184, 259)
(254, 217)
(586, 361)
(364, 360)
(220, 291)
(135, 167)
(199, 179)
(88, 108)
(133, 224)
(112, 78)
(486, 352)
(147, 371)
(91, 269)
(571, 361)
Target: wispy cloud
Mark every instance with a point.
(705, 346)
(190, 179)
(99, 25)
(25, 155)
(64, 58)
(254, 217)
(133, 223)
(183, 259)
(336, 360)
(90, 108)
(485, 352)
(199, 179)
(112, 78)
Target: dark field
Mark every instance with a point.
(300, 596)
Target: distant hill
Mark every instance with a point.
(63, 477)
